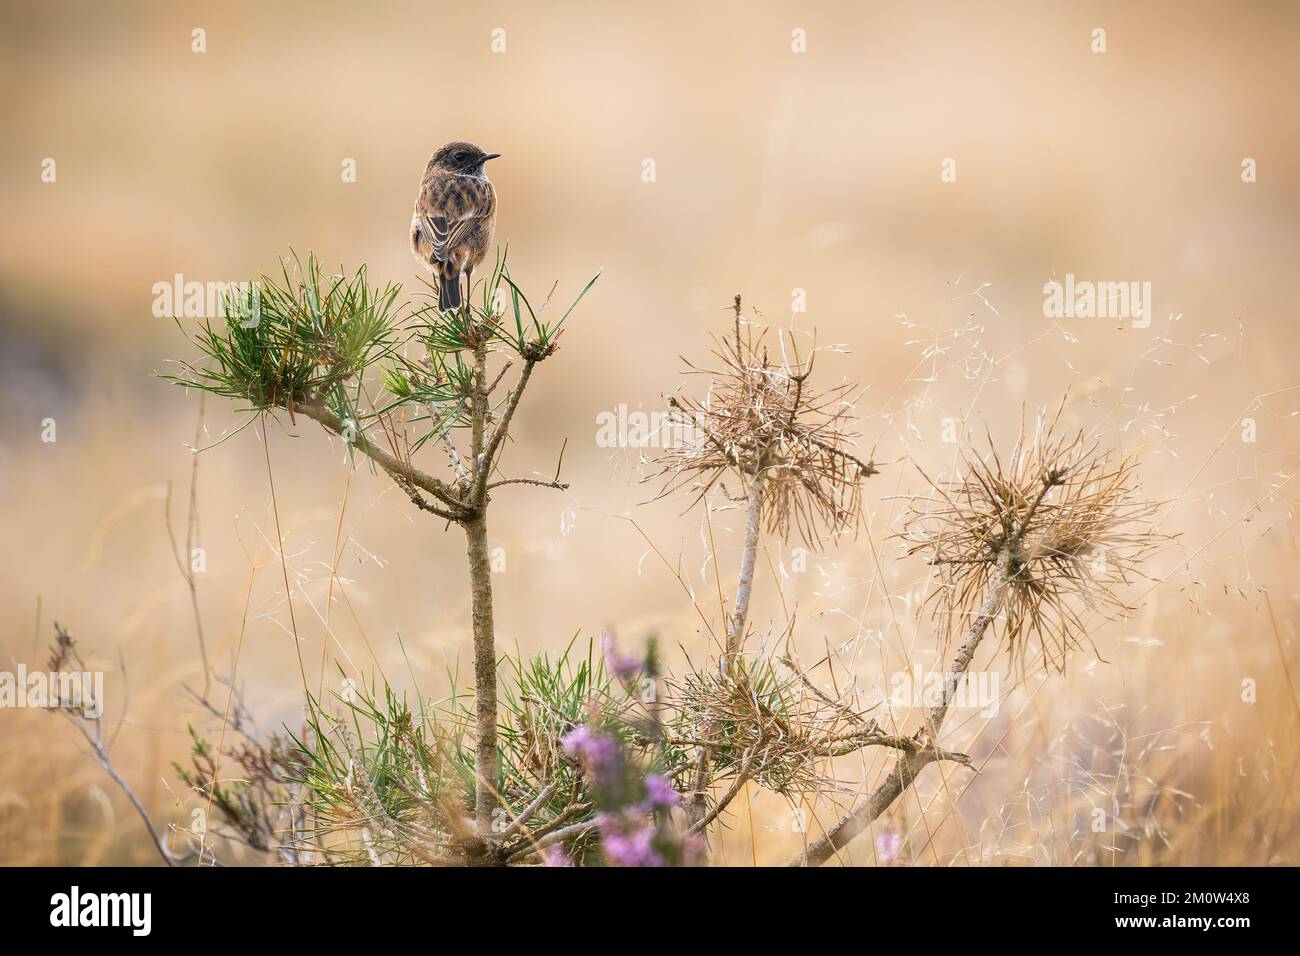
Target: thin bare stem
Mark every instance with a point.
(402, 472)
(748, 559)
(185, 561)
(907, 767)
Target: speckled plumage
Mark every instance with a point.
(455, 217)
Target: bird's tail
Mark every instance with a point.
(449, 291)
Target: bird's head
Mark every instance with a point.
(463, 158)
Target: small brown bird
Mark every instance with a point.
(455, 218)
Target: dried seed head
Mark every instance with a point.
(1060, 525)
(771, 725)
(761, 417)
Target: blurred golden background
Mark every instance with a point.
(787, 176)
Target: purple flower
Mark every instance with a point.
(693, 848)
(659, 793)
(634, 830)
(597, 751)
(632, 849)
(888, 843)
(624, 668)
(555, 856)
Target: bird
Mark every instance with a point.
(455, 217)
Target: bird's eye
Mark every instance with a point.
(461, 157)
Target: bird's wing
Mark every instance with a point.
(450, 206)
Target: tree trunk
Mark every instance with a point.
(485, 675)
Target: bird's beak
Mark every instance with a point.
(487, 156)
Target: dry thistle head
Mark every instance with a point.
(762, 420)
(1045, 535)
(770, 725)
